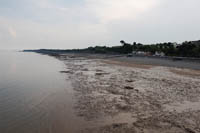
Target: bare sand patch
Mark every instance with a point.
(132, 64)
(185, 72)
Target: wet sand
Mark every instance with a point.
(123, 97)
(161, 61)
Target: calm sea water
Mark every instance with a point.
(34, 96)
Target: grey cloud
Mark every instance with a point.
(76, 24)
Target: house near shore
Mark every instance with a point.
(161, 54)
(141, 53)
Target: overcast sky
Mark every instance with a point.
(30, 24)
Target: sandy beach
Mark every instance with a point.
(122, 97)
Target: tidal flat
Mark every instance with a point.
(122, 96)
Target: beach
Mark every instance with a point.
(95, 93)
(118, 96)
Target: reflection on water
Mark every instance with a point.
(34, 96)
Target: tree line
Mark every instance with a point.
(185, 49)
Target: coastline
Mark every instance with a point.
(118, 94)
(173, 62)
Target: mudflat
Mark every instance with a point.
(121, 96)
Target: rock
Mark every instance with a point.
(98, 70)
(128, 88)
(66, 72)
(129, 80)
(116, 125)
(123, 107)
(99, 74)
(85, 69)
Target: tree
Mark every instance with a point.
(122, 42)
(126, 48)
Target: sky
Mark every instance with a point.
(66, 24)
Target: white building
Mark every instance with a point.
(159, 53)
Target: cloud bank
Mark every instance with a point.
(83, 23)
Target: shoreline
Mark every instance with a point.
(186, 63)
(118, 95)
